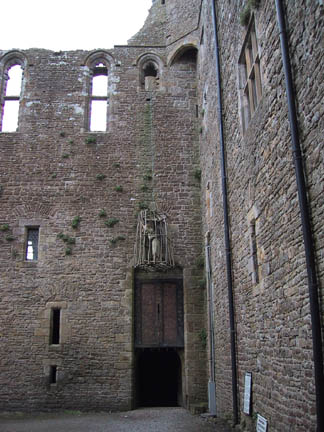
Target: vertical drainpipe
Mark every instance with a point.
(226, 221)
(306, 223)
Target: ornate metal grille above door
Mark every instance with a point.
(153, 247)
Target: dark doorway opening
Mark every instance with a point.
(158, 378)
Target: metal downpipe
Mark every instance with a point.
(306, 223)
(226, 222)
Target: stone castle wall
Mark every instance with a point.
(50, 173)
(273, 331)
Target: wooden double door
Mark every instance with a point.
(159, 314)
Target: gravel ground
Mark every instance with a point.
(140, 420)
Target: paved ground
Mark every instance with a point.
(141, 420)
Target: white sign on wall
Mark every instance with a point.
(262, 424)
(247, 393)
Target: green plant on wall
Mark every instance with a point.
(246, 11)
(144, 188)
(114, 240)
(4, 227)
(76, 221)
(148, 175)
(68, 251)
(119, 188)
(111, 222)
(70, 241)
(66, 238)
(91, 140)
(102, 213)
(142, 205)
(100, 177)
(14, 253)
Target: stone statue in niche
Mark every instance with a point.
(151, 242)
(153, 247)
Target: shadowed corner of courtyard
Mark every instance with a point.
(140, 420)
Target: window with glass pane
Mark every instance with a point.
(32, 244)
(250, 76)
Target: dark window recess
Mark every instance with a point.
(254, 251)
(53, 375)
(150, 70)
(55, 326)
(32, 244)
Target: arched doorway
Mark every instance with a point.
(159, 377)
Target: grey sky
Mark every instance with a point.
(70, 24)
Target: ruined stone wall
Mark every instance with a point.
(273, 331)
(52, 172)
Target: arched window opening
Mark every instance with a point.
(11, 98)
(150, 76)
(189, 56)
(99, 98)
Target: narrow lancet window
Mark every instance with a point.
(32, 244)
(254, 252)
(10, 111)
(55, 326)
(53, 374)
(99, 99)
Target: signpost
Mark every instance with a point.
(262, 424)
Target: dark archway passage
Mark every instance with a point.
(158, 378)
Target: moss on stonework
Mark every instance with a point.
(247, 10)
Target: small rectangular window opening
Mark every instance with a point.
(53, 374)
(254, 251)
(55, 326)
(32, 244)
